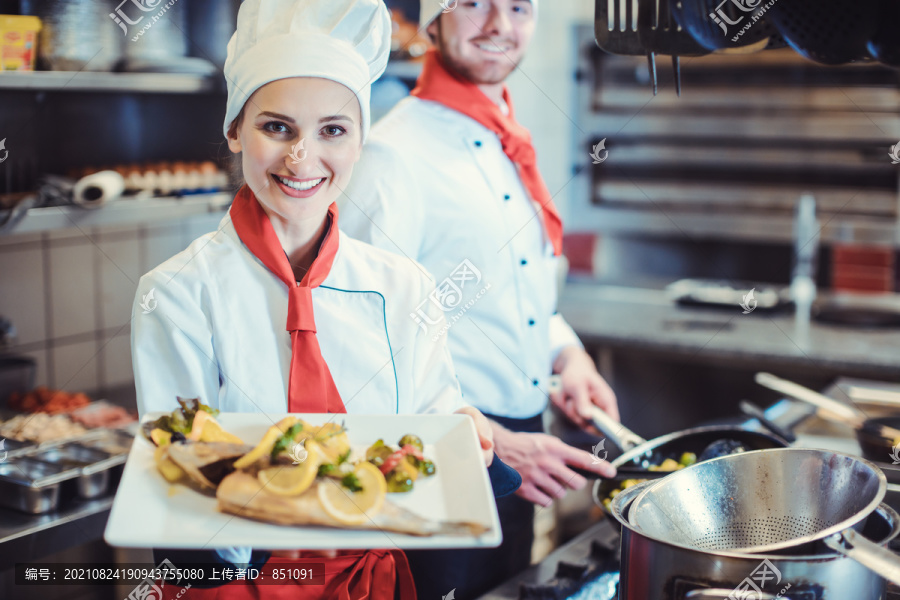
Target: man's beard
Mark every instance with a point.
(476, 73)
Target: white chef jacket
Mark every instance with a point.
(435, 185)
(214, 328)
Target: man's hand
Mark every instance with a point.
(485, 432)
(581, 387)
(542, 460)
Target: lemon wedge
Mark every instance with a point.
(265, 446)
(354, 508)
(289, 480)
(334, 441)
(212, 432)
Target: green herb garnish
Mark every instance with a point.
(326, 470)
(351, 482)
(287, 438)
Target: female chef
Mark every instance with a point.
(277, 311)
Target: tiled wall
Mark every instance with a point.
(69, 294)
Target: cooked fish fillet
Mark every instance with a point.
(242, 494)
(206, 463)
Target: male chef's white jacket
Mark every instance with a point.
(434, 185)
(210, 323)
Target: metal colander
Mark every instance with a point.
(761, 501)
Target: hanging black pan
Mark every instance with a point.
(640, 454)
(718, 25)
(884, 45)
(830, 32)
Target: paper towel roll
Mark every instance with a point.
(96, 190)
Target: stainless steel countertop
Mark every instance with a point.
(646, 319)
(29, 537)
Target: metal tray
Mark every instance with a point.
(113, 441)
(13, 448)
(32, 486)
(93, 465)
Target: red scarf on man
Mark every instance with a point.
(311, 388)
(440, 85)
(353, 574)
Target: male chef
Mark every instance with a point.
(449, 178)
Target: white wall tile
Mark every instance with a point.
(73, 288)
(75, 367)
(116, 356)
(22, 293)
(120, 270)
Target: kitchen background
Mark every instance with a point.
(704, 186)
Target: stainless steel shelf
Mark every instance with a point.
(121, 212)
(91, 81)
(698, 224)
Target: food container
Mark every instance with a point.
(18, 42)
(32, 486)
(112, 441)
(93, 465)
(13, 448)
(78, 35)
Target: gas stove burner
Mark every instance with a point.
(573, 578)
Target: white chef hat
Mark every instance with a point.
(430, 9)
(347, 41)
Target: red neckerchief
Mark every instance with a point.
(438, 84)
(311, 388)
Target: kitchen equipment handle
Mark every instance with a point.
(723, 594)
(752, 410)
(845, 412)
(621, 436)
(867, 553)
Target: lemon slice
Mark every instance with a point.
(354, 508)
(212, 432)
(292, 481)
(266, 444)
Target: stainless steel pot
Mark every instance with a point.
(655, 570)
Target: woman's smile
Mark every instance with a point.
(298, 188)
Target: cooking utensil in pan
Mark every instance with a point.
(831, 33)
(660, 33)
(752, 410)
(778, 500)
(639, 453)
(875, 436)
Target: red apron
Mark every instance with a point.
(352, 575)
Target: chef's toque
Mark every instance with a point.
(347, 41)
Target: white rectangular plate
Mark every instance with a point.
(148, 512)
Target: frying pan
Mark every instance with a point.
(639, 453)
(832, 33)
(877, 437)
(884, 45)
(696, 16)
